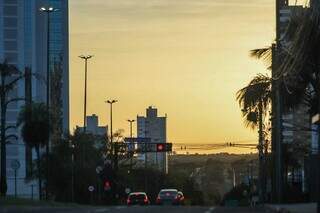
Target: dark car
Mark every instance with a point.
(181, 198)
(138, 198)
(169, 196)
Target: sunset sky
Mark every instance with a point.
(186, 57)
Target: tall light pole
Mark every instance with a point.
(48, 11)
(85, 58)
(131, 122)
(111, 102)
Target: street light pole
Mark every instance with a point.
(131, 121)
(114, 150)
(111, 102)
(85, 58)
(48, 10)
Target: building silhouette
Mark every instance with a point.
(93, 126)
(153, 127)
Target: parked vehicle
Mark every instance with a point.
(138, 198)
(170, 196)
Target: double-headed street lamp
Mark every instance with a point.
(111, 102)
(48, 11)
(113, 150)
(85, 58)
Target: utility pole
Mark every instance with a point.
(276, 109)
(85, 58)
(48, 11)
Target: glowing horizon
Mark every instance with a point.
(188, 58)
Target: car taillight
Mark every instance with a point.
(128, 201)
(158, 199)
(145, 200)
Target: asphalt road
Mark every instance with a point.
(133, 209)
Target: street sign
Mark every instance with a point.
(99, 169)
(127, 190)
(15, 164)
(91, 188)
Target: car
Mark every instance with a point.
(169, 196)
(181, 198)
(138, 198)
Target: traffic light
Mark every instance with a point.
(107, 185)
(161, 147)
(164, 147)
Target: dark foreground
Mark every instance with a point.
(133, 209)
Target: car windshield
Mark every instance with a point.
(168, 193)
(137, 196)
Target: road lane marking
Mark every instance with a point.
(121, 207)
(210, 210)
(102, 210)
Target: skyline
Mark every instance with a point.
(172, 55)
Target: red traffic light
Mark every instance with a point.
(161, 147)
(107, 185)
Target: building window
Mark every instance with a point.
(10, 45)
(10, 22)
(11, 1)
(10, 34)
(11, 57)
(10, 10)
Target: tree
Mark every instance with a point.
(254, 101)
(88, 154)
(35, 130)
(10, 76)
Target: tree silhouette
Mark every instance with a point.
(35, 128)
(10, 77)
(254, 100)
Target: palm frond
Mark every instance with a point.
(258, 91)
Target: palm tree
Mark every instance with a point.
(33, 120)
(254, 101)
(10, 76)
(300, 68)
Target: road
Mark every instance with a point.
(133, 209)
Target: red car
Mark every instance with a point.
(138, 198)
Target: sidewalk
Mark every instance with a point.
(295, 208)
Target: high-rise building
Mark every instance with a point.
(154, 127)
(23, 42)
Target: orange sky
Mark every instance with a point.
(186, 57)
